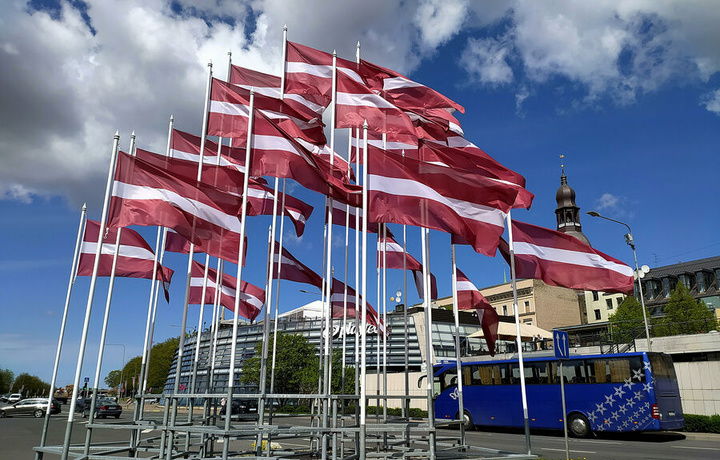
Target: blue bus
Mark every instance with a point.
(611, 392)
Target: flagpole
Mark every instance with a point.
(63, 323)
(406, 404)
(424, 233)
(183, 326)
(241, 251)
(363, 332)
(91, 293)
(518, 337)
(456, 314)
(103, 334)
(345, 303)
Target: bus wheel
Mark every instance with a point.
(578, 426)
(467, 421)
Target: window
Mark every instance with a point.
(527, 306)
(504, 307)
(619, 301)
(596, 295)
(687, 280)
(608, 302)
(598, 316)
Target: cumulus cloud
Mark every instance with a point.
(486, 60)
(440, 20)
(607, 201)
(617, 49)
(711, 101)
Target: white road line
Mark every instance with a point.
(571, 450)
(698, 448)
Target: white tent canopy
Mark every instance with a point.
(507, 331)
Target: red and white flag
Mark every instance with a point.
(230, 105)
(177, 243)
(524, 198)
(186, 146)
(252, 298)
(398, 144)
(345, 304)
(277, 154)
(144, 194)
(293, 270)
(406, 191)
(402, 91)
(562, 260)
(340, 211)
(356, 103)
(227, 177)
(394, 256)
(308, 71)
(269, 85)
(470, 298)
(135, 257)
(470, 160)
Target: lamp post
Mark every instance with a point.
(122, 369)
(631, 242)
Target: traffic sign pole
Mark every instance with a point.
(562, 351)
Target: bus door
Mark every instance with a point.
(446, 394)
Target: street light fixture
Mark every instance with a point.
(631, 242)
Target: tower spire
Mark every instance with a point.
(567, 212)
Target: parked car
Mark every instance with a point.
(104, 407)
(13, 398)
(241, 406)
(30, 406)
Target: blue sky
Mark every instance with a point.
(628, 91)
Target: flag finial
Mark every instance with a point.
(285, 28)
(172, 118)
(562, 163)
(84, 207)
(117, 134)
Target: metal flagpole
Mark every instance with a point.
(356, 338)
(91, 293)
(377, 336)
(406, 402)
(363, 332)
(106, 317)
(266, 336)
(183, 324)
(345, 295)
(103, 334)
(63, 322)
(456, 314)
(518, 337)
(241, 251)
(429, 358)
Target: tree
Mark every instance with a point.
(685, 315)
(6, 379)
(627, 321)
(32, 385)
(337, 375)
(113, 379)
(161, 358)
(296, 365)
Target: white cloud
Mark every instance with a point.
(619, 48)
(711, 101)
(440, 20)
(607, 201)
(486, 60)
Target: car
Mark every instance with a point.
(31, 406)
(13, 398)
(104, 407)
(241, 406)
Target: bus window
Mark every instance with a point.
(448, 379)
(619, 370)
(468, 373)
(535, 373)
(573, 372)
(662, 366)
(485, 375)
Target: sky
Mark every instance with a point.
(627, 90)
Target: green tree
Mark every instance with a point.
(6, 379)
(113, 379)
(131, 373)
(627, 321)
(161, 358)
(337, 375)
(685, 315)
(296, 365)
(32, 385)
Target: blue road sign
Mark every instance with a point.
(87, 379)
(561, 344)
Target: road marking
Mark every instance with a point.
(699, 448)
(571, 450)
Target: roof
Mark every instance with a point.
(709, 263)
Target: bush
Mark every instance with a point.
(301, 410)
(286, 409)
(702, 423)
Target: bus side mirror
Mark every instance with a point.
(420, 379)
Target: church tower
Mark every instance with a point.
(567, 212)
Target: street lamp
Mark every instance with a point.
(631, 242)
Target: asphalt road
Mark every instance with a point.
(18, 436)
